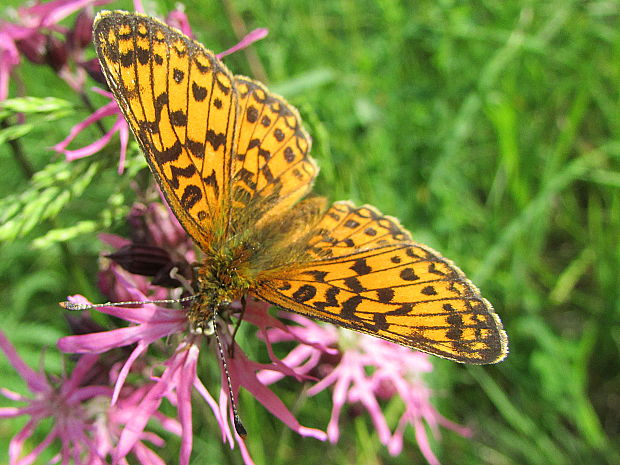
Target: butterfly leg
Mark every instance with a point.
(175, 274)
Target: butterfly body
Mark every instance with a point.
(234, 265)
(232, 160)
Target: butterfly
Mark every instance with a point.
(232, 160)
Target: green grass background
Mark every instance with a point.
(489, 128)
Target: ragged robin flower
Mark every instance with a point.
(151, 324)
(364, 371)
(37, 35)
(78, 405)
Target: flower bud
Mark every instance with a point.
(55, 53)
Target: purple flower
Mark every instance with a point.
(178, 18)
(110, 426)
(33, 37)
(78, 405)
(62, 401)
(120, 126)
(368, 370)
(151, 323)
(249, 39)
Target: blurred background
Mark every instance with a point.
(490, 129)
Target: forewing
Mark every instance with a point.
(181, 104)
(368, 275)
(272, 167)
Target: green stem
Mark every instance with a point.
(19, 154)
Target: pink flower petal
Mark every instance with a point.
(17, 442)
(122, 376)
(249, 39)
(52, 12)
(243, 373)
(107, 110)
(123, 134)
(11, 412)
(224, 427)
(145, 410)
(113, 240)
(178, 19)
(187, 375)
(36, 382)
(80, 371)
(422, 440)
(13, 395)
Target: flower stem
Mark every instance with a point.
(89, 105)
(18, 153)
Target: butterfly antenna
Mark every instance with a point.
(231, 352)
(79, 307)
(239, 428)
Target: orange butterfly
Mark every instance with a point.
(233, 162)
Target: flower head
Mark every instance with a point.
(366, 370)
(150, 324)
(35, 35)
(78, 406)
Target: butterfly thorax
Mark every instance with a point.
(239, 256)
(222, 277)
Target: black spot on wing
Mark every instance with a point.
(178, 75)
(361, 267)
(304, 293)
(385, 295)
(429, 290)
(168, 155)
(408, 274)
(191, 196)
(354, 284)
(199, 92)
(177, 172)
(216, 138)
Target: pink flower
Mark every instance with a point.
(368, 370)
(110, 426)
(84, 423)
(150, 323)
(119, 125)
(32, 36)
(62, 400)
(249, 39)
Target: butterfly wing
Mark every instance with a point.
(380, 282)
(345, 228)
(216, 143)
(181, 103)
(272, 168)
